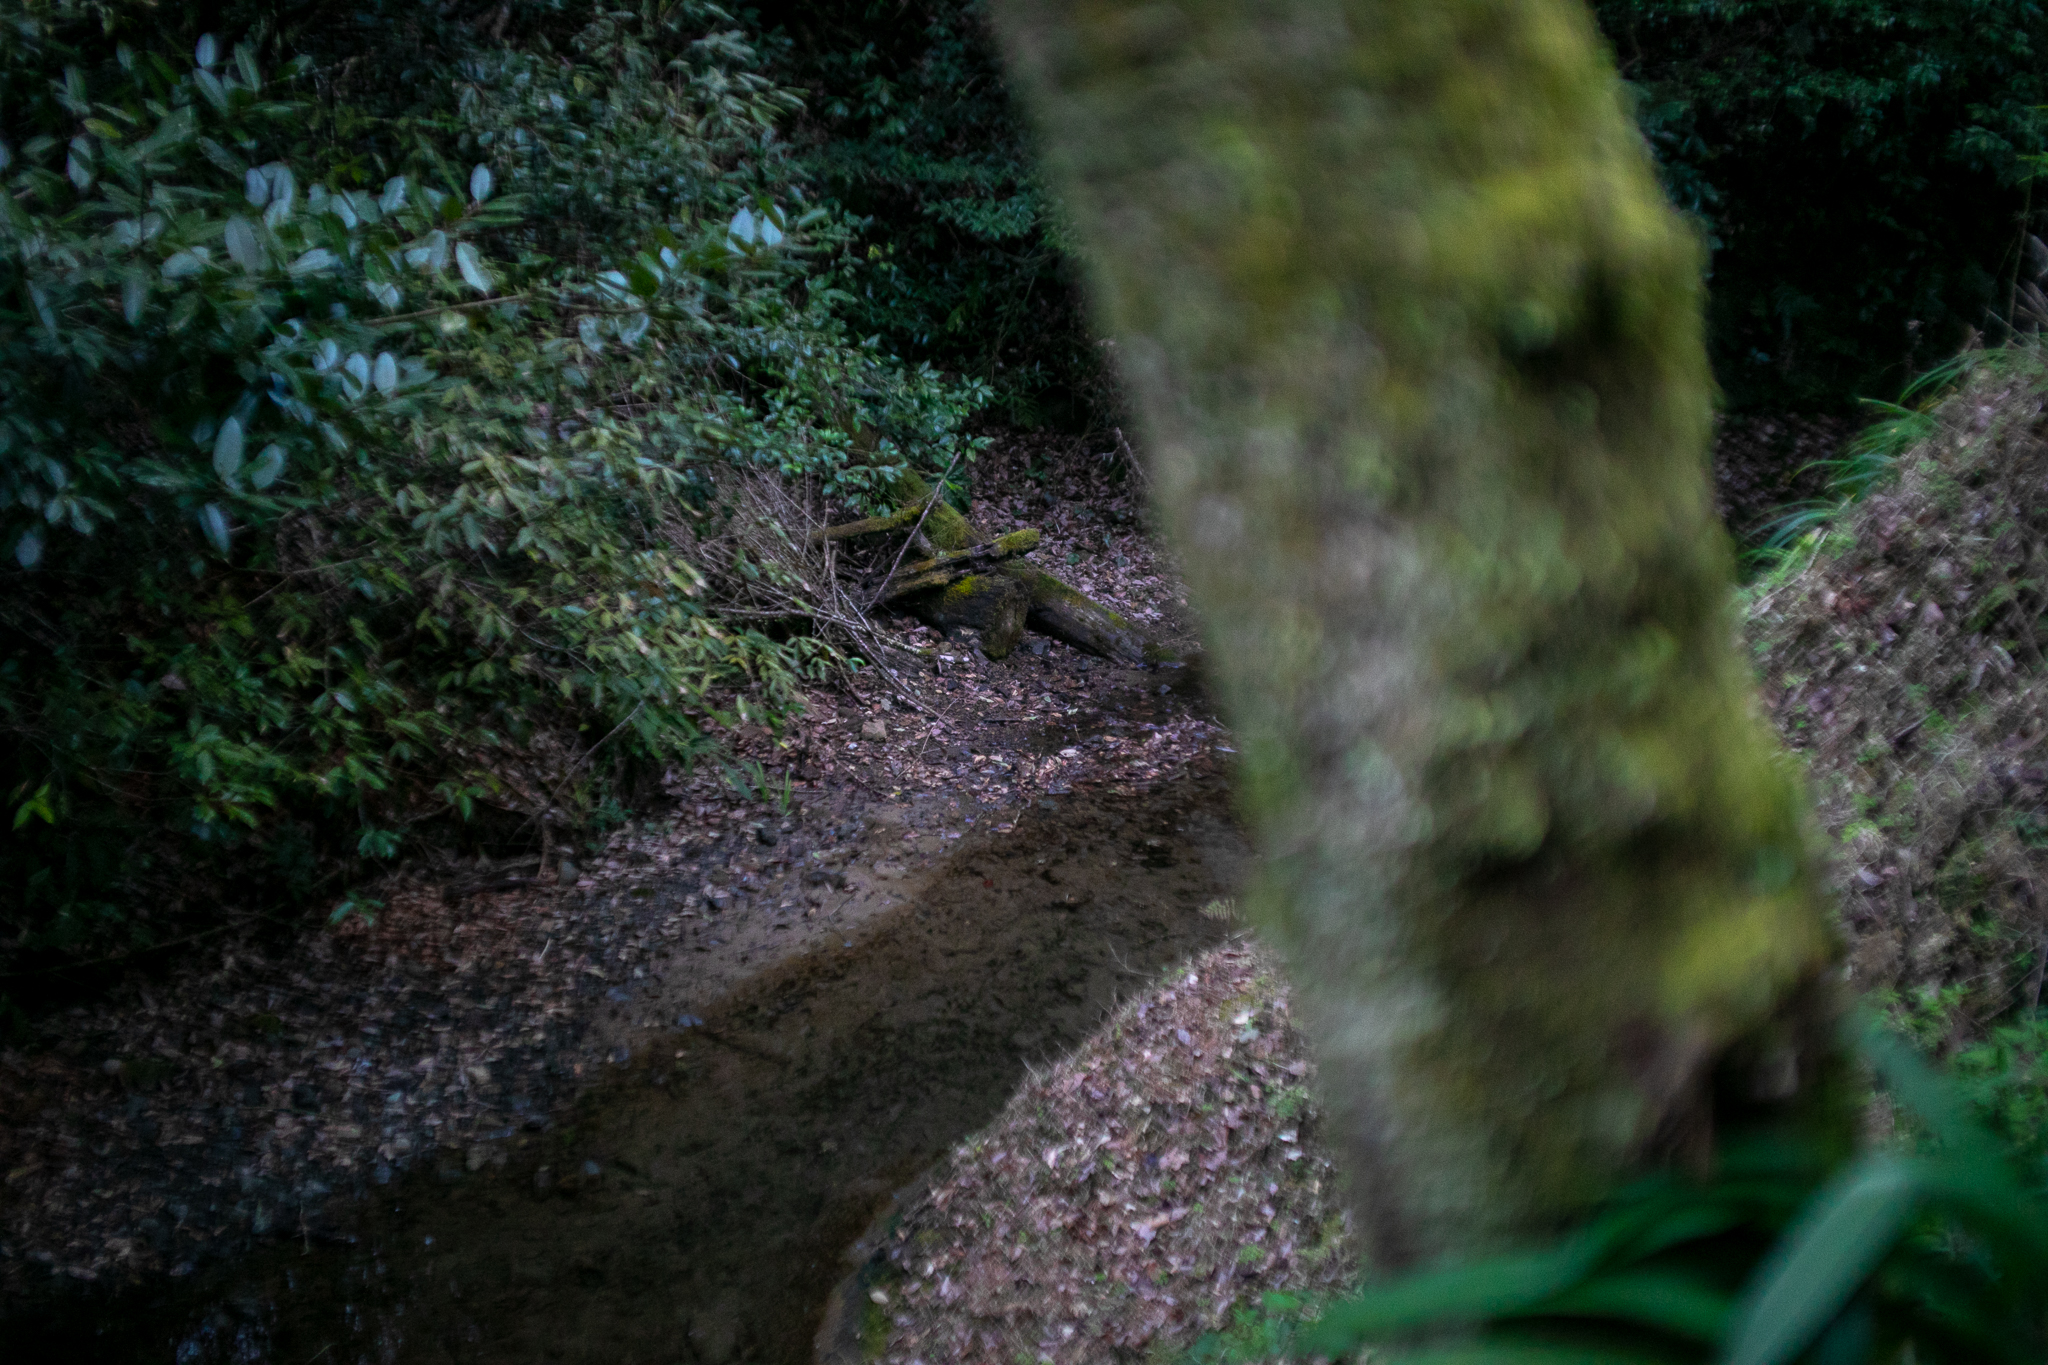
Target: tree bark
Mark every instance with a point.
(1416, 345)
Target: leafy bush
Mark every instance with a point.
(1861, 166)
(910, 128)
(346, 449)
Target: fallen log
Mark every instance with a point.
(949, 566)
(990, 602)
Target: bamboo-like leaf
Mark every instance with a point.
(134, 294)
(471, 267)
(1663, 1299)
(210, 86)
(265, 468)
(1517, 1353)
(214, 523)
(1810, 1275)
(284, 192)
(1456, 1295)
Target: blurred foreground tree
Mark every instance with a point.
(1416, 343)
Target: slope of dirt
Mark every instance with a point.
(1166, 1173)
(1902, 660)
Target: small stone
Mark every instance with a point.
(889, 871)
(874, 729)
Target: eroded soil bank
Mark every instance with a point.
(696, 1206)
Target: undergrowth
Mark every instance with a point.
(372, 423)
(1933, 1248)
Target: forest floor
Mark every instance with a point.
(250, 1092)
(252, 1095)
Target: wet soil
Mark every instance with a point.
(696, 1207)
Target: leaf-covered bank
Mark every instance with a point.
(1163, 1180)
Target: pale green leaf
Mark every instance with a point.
(1833, 1248)
(214, 523)
(473, 274)
(227, 450)
(242, 245)
(265, 468)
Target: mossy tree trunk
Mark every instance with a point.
(1416, 344)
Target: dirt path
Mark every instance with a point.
(264, 1092)
(704, 1194)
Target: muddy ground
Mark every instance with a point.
(696, 1205)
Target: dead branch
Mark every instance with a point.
(953, 565)
(868, 526)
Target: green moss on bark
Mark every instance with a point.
(1416, 344)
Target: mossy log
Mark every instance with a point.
(869, 526)
(1052, 607)
(950, 566)
(1416, 346)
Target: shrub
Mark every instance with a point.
(1861, 169)
(909, 127)
(346, 449)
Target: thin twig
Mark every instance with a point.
(903, 549)
(556, 794)
(439, 309)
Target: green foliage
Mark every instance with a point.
(910, 127)
(1937, 1254)
(348, 450)
(1861, 166)
(1871, 460)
